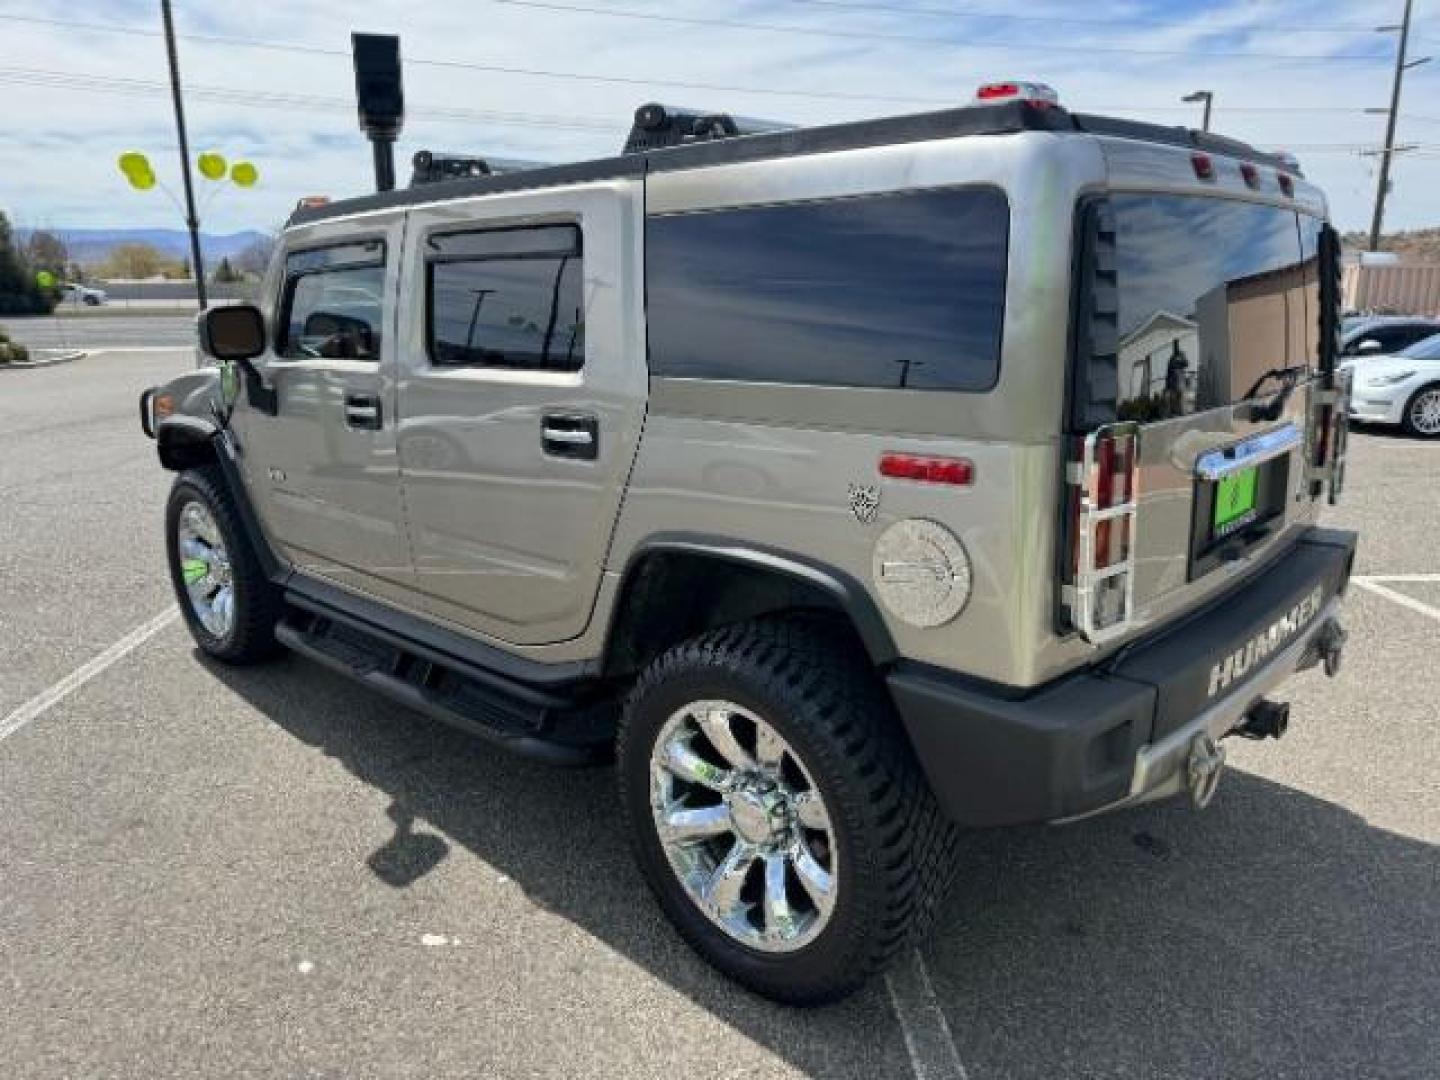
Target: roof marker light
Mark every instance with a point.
(1204, 165)
(1251, 174)
(1287, 183)
(1032, 93)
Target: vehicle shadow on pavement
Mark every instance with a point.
(1274, 934)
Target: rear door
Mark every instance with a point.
(1210, 310)
(522, 392)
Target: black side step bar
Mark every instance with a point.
(552, 727)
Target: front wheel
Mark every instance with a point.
(777, 811)
(1422, 413)
(229, 605)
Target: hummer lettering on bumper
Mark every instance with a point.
(1235, 666)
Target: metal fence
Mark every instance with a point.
(1393, 290)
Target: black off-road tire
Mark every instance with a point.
(258, 603)
(810, 679)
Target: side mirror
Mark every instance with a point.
(1368, 347)
(233, 332)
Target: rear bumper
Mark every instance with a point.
(1120, 733)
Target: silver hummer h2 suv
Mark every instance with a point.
(850, 485)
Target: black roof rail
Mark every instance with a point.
(669, 147)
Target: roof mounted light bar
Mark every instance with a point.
(657, 126)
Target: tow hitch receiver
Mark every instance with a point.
(1265, 720)
(1202, 770)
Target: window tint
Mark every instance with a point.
(507, 298)
(334, 303)
(1424, 349)
(903, 290)
(1212, 294)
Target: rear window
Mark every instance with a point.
(903, 290)
(1210, 295)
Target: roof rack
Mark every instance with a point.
(657, 126)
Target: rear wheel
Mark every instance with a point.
(1422, 413)
(229, 605)
(777, 811)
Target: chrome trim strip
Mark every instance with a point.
(1263, 447)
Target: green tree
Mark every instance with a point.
(19, 293)
(225, 274)
(46, 251)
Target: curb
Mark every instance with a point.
(47, 361)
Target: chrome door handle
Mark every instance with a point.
(363, 411)
(570, 435)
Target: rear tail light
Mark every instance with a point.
(931, 470)
(1105, 485)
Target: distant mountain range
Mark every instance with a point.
(91, 246)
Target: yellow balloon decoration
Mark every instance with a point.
(244, 174)
(136, 168)
(212, 165)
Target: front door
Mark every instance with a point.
(522, 391)
(323, 468)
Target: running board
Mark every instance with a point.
(545, 726)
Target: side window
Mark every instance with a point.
(895, 290)
(506, 298)
(333, 303)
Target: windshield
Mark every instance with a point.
(1429, 349)
(1212, 295)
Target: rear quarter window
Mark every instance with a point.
(897, 291)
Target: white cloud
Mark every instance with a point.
(58, 146)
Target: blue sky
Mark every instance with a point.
(1284, 73)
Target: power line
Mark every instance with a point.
(60, 80)
(1070, 20)
(872, 35)
(497, 69)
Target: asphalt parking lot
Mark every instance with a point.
(270, 872)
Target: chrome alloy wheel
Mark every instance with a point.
(743, 826)
(205, 569)
(1425, 412)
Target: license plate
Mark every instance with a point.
(1235, 501)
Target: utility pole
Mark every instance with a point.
(1208, 97)
(192, 221)
(1382, 189)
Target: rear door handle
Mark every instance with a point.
(570, 435)
(363, 411)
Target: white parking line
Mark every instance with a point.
(42, 701)
(1398, 597)
(922, 1022)
(1397, 577)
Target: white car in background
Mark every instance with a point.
(1402, 389)
(71, 293)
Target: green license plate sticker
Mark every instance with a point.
(1235, 500)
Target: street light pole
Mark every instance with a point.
(1208, 98)
(192, 221)
(1382, 189)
